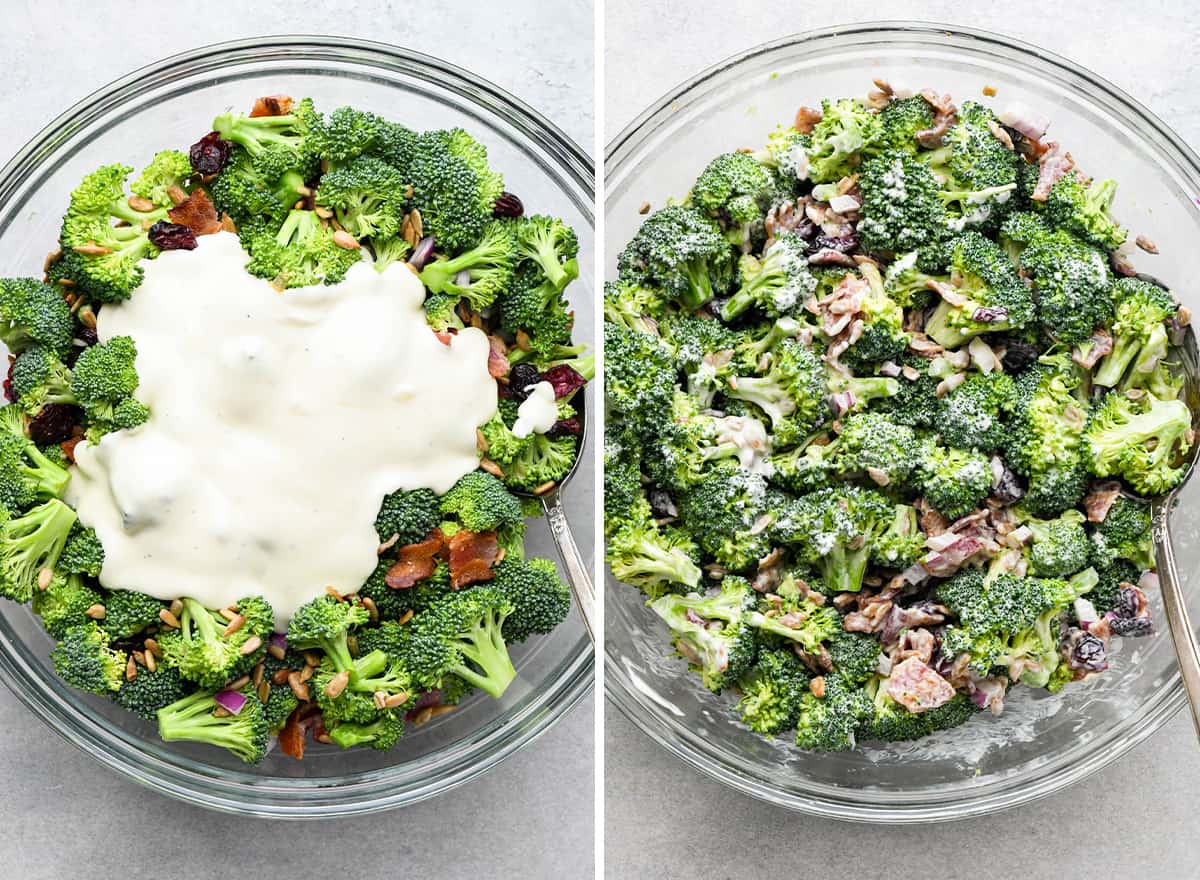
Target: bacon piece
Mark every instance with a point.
(1052, 167)
(472, 555)
(918, 643)
(944, 115)
(498, 364)
(946, 562)
(828, 256)
(1100, 499)
(918, 688)
(272, 105)
(291, 738)
(931, 521)
(416, 562)
(197, 214)
(806, 119)
(68, 448)
(1098, 345)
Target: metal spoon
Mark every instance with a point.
(1174, 603)
(578, 575)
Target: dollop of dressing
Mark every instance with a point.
(278, 423)
(538, 411)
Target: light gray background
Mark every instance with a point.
(62, 815)
(1137, 818)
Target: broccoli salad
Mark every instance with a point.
(886, 403)
(379, 353)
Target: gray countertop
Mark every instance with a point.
(532, 816)
(1135, 818)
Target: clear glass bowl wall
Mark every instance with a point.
(1041, 743)
(171, 104)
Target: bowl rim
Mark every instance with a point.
(364, 791)
(619, 686)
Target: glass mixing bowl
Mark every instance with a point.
(171, 104)
(1041, 743)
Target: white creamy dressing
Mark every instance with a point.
(538, 411)
(278, 423)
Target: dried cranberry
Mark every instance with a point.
(1019, 355)
(565, 428)
(1131, 626)
(1089, 654)
(841, 243)
(990, 314)
(88, 336)
(520, 379)
(9, 393)
(565, 379)
(806, 230)
(172, 236)
(210, 153)
(54, 424)
(508, 205)
(1008, 488)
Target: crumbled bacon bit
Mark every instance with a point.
(1100, 499)
(291, 738)
(944, 115)
(498, 364)
(1052, 167)
(416, 561)
(806, 119)
(918, 688)
(472, 555)
(197, 214)
(272, 105)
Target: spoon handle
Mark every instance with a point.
(1175, 606)
(577, 573)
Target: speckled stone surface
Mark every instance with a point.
(1137, 818)
(65, 816)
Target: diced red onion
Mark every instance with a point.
(1029, 122)
(231, 701)
(915, 574)
(990, 314)
(889, 369)
(422, 252)
(841, 402)
(279, 640)
(1086, 612)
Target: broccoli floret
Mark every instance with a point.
(462, 145)
(540, 600)
(872, 445)
(128, 612)
(245, 194)
(84, 660)
(682, 253)
(977, 173)
(1059, 547)
(1124, 533)
(347, 694)
(453, 188)
(192, 719)
(846, 130)
(721, 655)
(64, 603)
(701, 346)
(773, 691)
(883, 336)
(891, 722)
(205, 653)
(622, 474)
(551, 246)
(901, 208)
(276, 144)
(325, 623)
(462, 635)
(394, 604)
(1045, 443)
(299, 253)
(855, 655)
(103, 379)
(441, 312)
(167, 170)
(721, 512)
(974, 414)
(100, 258)
(281, 699)
(1082, 208)
(834, 529)
(786, 154)
(955, 481)
(915, 402)
(408, 516)
(32, 542)
(1144, 441)
(1071, 278)
(639, 378)
(902, 119)
(39, 378)
(488, 267)
(381, 734)
(26, 474)
(989, 297)
(481, 503)
(1139, 331)
(734, 189)
(811, 624)
(778, 284)
(791, 389)
(528, 462)
(149, 691)
(367, 196)
(653, 559)
(634, 307)
(828, 723)
(33, 313)
(1110, 579)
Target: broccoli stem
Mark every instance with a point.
(484, 646)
